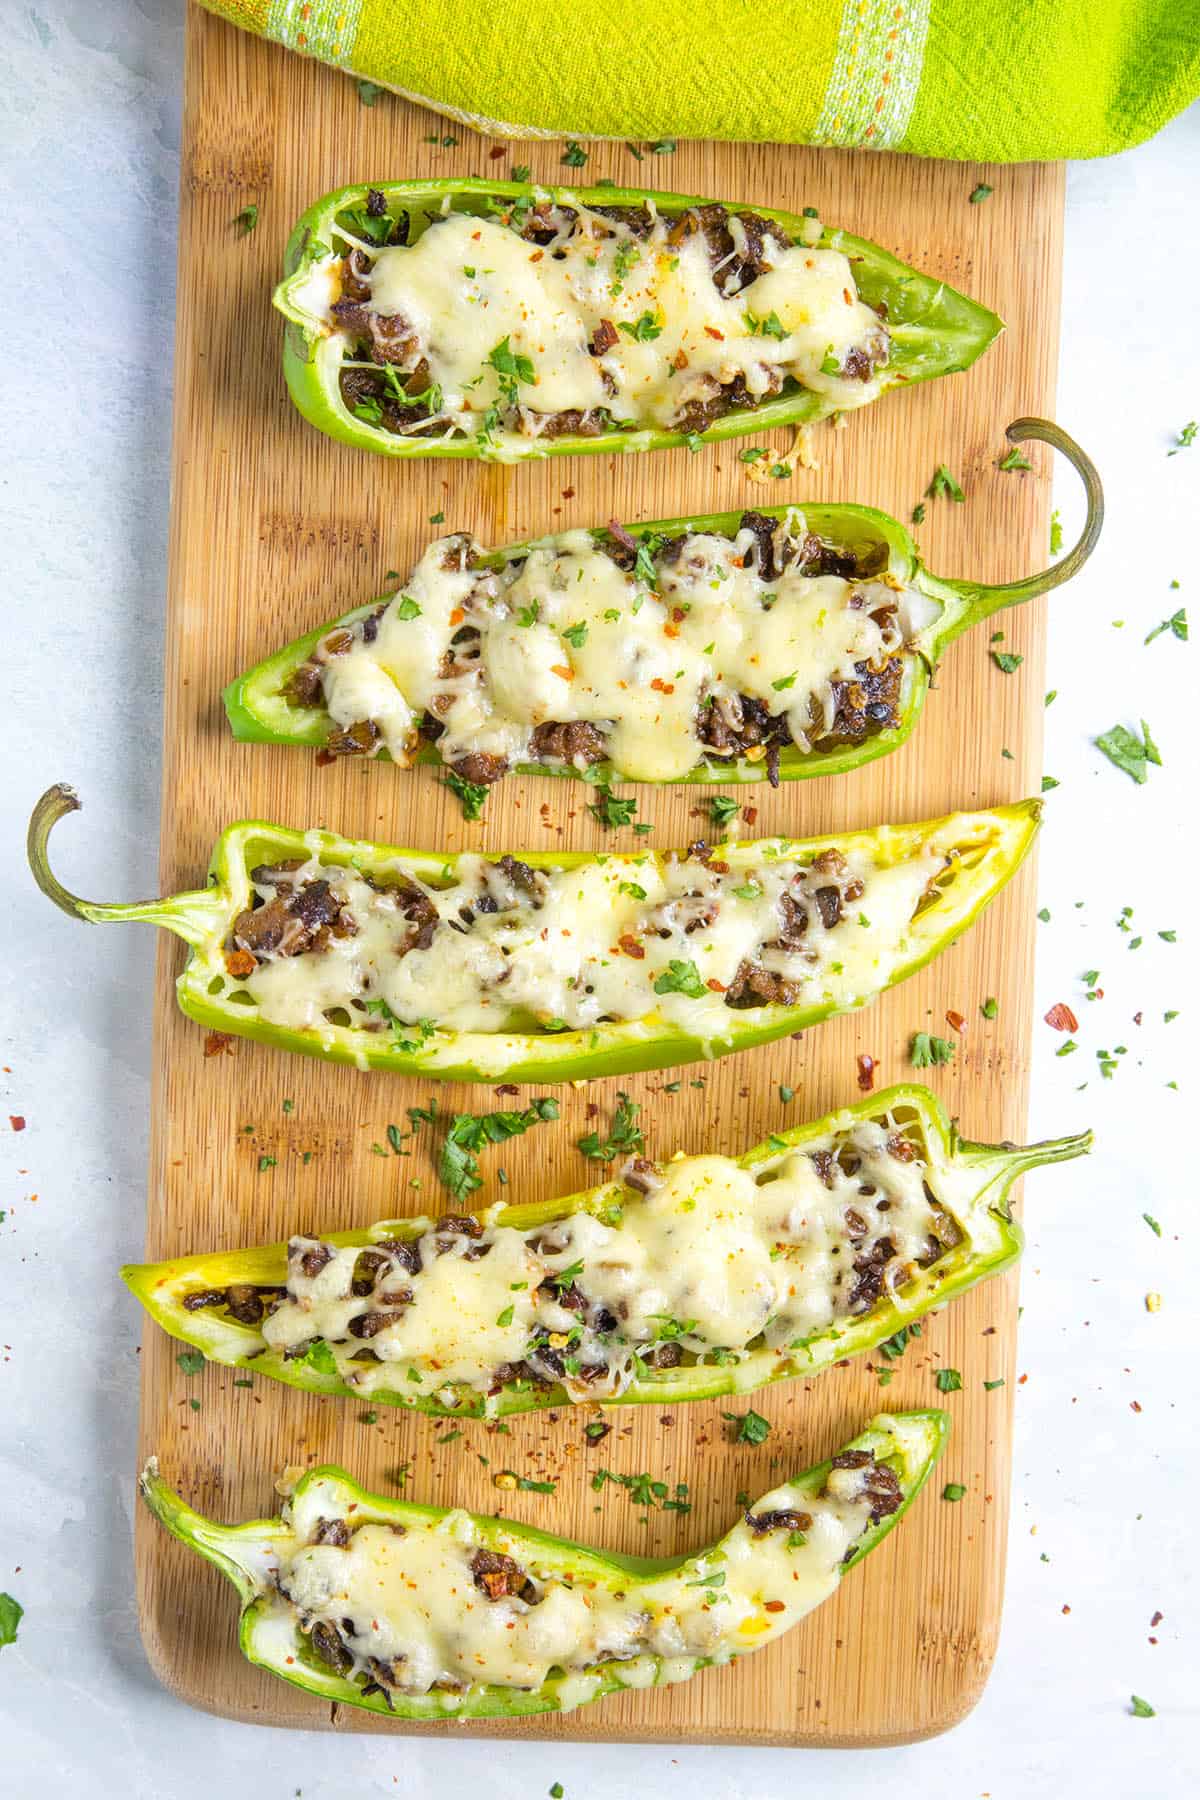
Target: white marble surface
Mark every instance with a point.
(1104, 1514)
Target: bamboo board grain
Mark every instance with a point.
(275, 528)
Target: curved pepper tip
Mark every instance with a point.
(55, 804)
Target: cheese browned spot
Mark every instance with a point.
(570, 319)
(712, 1260)
(698, 648)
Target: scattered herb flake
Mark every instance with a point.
(190, 1361)
(953, 1490)
(979, 193)
(471, 795)
(926, 1052)
(1130, 754)
(948, 1381)
(1014, 460)
(245, 221)
(943, 486)
(625, 1136)
(1177, 625)
(749, 1427)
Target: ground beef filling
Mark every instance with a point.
(385, 379)
(303, 916)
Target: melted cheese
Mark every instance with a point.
(567, 635)
(571, 958)
(684, 331)
(713, 1258)
(407, 1608)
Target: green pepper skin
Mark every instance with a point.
(258, 711)
(935, 331)
(978, 1198)
(995, 843)
(910, 1443)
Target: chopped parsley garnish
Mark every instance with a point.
(943, 486)
(519, 172)
(1048, 784)
(190, 1361)
(753, 455)
(576, 635)
(898, 1342)
(948, 1381)
(320, 1357)
(245, 221)
(625, 1135)
(722, 808)
(643, 1490)
(632, 888)
(265, 1163)
(11, 1614)
(408, 608)
(681, 978)
(978, 193)
(528, 616)
(369, 92)
(1014, 460)
(926, 1052)
(458, 1163)
(1007, 661)
(1141, 1709)
(918, 513)
(953, 1490)
(749, 1427)
(470, 794)
(771, 326)
(1187, 437)
(1056, 534)
(574, 155)
(607, 810)
(509, 365)
(644, 330)
(1131, 754)
(990, 1386)
(1153, 1223)
(785, 681)
(990, 1007)
(1177, 625)
(663, 147)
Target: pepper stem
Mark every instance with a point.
(1008, 1161)
(241, 1552)
(978, 601)
(192, 917)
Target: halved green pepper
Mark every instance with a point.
(776, 1564)
(260, 710)
(934, 330)
(971, 1181)
(982, 851)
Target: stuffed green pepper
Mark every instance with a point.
(496, 319)
(678, 1281)
(421, 1613)
(776, 644)
(557, 966)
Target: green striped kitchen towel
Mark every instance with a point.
(987, 80)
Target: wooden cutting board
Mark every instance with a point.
(274, 528)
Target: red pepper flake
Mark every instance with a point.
(568, 493)
(714, 986)
(563, 671)
(750, 814)
(1156, 1619)
(1135, 1406)
(866, 1072)
(772, 1605)
(324, 758)
(1137, 1018)
(496, 152)
(662, 687)
(16, 1120)
(241, 963)
(1061, 1018)
(955, 1021)
(712, 332)
(216, 1043)
(1066, 1609)
(506, 1087)
(632, 947)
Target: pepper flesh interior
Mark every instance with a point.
(424, 1613)
(653, 657)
